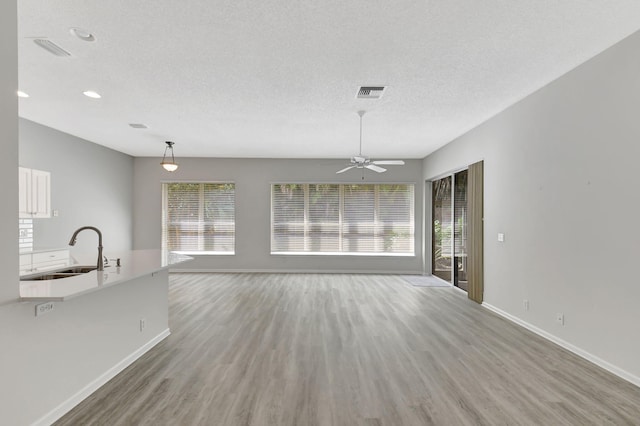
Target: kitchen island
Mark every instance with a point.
(94, 326)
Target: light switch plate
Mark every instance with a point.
(500, 237)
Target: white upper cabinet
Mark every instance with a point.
(24, 182)
(35, 193)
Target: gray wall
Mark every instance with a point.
(9, 153)
(253, 178)
(561, 183)
(90, 185)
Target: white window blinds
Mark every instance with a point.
(342, 218)
(198, 217)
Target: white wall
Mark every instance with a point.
(561, 182)
(9, 151)
(90, 185)
(253, 178)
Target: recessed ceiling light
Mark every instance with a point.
(82, 34)
(92, 94)
(21, 94)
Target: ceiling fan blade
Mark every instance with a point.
(375, 168)
(389, 162)
(345, 169)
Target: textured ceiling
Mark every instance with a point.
(278, 78)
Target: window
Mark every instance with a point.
(342, 219)
(199, 217)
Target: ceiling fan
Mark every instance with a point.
(361, 162)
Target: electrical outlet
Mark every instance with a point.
(44, 308)
(143, 324)
(525, 304)
(560, 319)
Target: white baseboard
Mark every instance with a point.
(568, 346)
(80, 396)
(291, 271)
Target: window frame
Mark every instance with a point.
(341, 209)
(163, 185)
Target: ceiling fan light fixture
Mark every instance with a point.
(169, 165)
(362, 162)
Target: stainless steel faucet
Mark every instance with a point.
(72, 242)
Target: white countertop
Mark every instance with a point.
(135, 264)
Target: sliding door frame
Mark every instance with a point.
(476, 226)
(476, 231)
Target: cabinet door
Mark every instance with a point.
(24, 184)
(41, 193)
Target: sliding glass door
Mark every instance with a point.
(442, 228)
(460, 230)
(450, 228)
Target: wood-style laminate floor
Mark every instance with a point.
(311, 349)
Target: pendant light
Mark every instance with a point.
(169, 165)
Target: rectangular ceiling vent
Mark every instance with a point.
(370, 92)
(51, 47)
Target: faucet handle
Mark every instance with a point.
(106, 261)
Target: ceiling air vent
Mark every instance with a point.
(51, 47)
(370, 92)
(138, 125)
